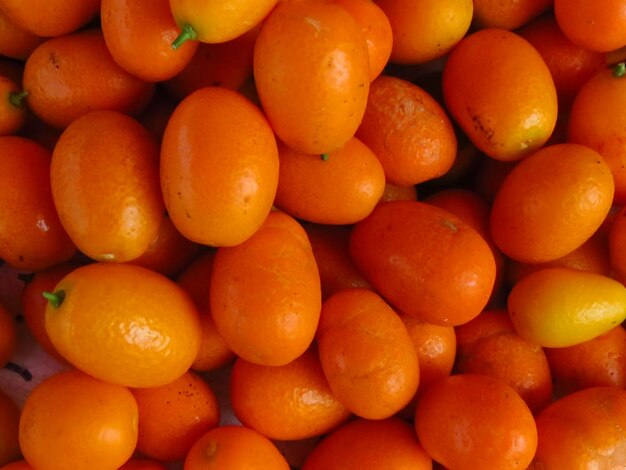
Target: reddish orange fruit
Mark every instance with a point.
(265, 293)
(469, 420)
(362, 443)
(366, 353)
(425, 261)
(408, 131)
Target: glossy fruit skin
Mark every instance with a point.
(59, 91)
(174, 416)
(31, 234)
(583, 430)
(426, 30)
(215, 21)
(596, 121)
(52, 18)
(366, 353)
(459, 433)
(311, 69)
(560, 307)
(139, 36)
(362, 443)
(340, 190)
(551, 203)
(597, 27)
(105, 185)
(72, 420)
(408, 130)
(219, 167)
(289, 402)
(411, 268)
(597, 362)
(506, 112)
(508, 15)
(234, 447)
(376, 29)
(274, 322)
(124, 324)
(9, 429)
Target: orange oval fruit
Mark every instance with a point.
(426, 30)
(219, 167)
(506, 111)
(583, 430)
(139, 36)
(366, 354)
(214, 21)
(71, 75)
(475, 421)
(174, 416)
(551, 203)
(72, 420)
(425, 261)
(596, 120)
(124, 324)
(408, 131)
(594, 26)
(265, 293)
(105, 185)
(341, 188)
(288, 402)
(311, 69)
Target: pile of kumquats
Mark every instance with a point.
(313, 234)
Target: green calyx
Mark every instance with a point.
(187, 34)
(55, 298)
(619, 70)
(16, 98)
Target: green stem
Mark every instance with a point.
(55, 298)
(16, 98)
(619, 70)
(325, 156)
(187, 34)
